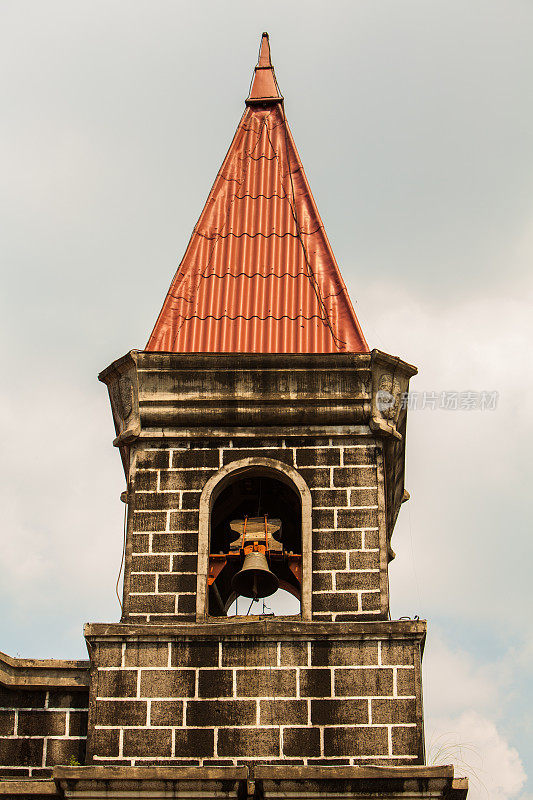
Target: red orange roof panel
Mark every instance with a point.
(259, 274)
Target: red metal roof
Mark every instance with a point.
(259, 274)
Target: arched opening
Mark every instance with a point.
(255, 542)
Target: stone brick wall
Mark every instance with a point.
(345, 475)
(300, 698)
(39, 729)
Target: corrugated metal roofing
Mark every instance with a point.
(259, 274)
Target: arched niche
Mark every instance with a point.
(252, 468)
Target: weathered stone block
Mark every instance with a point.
(356, 741)
(42, 723)
(318, 457)
(253, 442)
(405, 741)
(335, 601)
(140, 543)
(145, 481)
(398, 653)
(359, 455)
(150, 563)
(301, 742)
(363, 682)
(315, 683)
(370, 601)
(362, 559)
(175, 543)
(354, 476)
(166, 712)
(266, 683)
(329, 498)
(117, 683)
(183, 479)
(337, 540)
(339, 653)
(106, 741)
(356, 580)
(194, 742)
(177, 582)
(142, 583)
(371, 540)
(209, 444)
(152, 603)
(215, 683)
(149, 521)
(210, 713)
(109, 655)
(157, 501)
(323, 518)
(406, 681)
(147, 742)
(315, 478)
(184, 563)
(194, 654)
(281, 454)
(294, 654)
(190, 500)
(7, 723)
(167, 683)
(152, 459)
(182, 459)
(24, 752)
(339, 712)
(184, 521)
(390, 712)
(363, 497)
(306, 441)
(64, 698)
(357, 518)
(61, 751)
(15, 698)
(187, 604)
(146, 654)
(249, 654)
(329, 561)
(322, 581)
(283, 712)
(21, 772)
(77, 725)
(252, 741)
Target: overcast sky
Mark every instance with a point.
(414, 121)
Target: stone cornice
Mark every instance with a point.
(25, 673)
(264, 629)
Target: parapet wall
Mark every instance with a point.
(43, 715)
(221, 694)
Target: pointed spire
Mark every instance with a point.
(264, 86)
(259, 274)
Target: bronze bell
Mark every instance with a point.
(255, 579)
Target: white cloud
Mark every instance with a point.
(454, 680)
(464, 701)
(473, 743)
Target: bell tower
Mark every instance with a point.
(263, 446)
